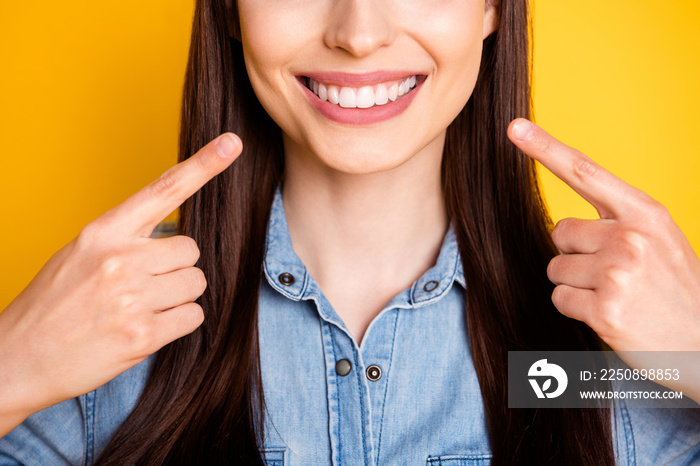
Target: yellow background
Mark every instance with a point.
(90, 95)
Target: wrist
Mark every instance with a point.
(18, 400)
(14, 407)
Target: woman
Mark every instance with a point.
(369, 129)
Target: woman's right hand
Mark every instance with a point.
(109, 298)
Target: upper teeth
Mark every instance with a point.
(363, 97)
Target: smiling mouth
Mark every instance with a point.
(364, 96)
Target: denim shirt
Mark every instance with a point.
(407, 395)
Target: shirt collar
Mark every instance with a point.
(287, 274)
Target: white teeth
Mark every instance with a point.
(333, 95)
(381, 96)
(363, 97)
(393, 92)
(348, 98)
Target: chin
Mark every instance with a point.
(361, 161)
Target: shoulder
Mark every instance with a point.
(650, 436)
(75, 431)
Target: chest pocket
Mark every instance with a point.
(459, 460)
(273, 456)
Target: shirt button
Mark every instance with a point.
(343, 367)
(430, 286)
(374, 372)
(286, 278)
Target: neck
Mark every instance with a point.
(382, 228)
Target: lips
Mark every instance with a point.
(360, 99)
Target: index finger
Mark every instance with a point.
(610, 195)
(144, 210)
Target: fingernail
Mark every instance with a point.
(522, 130)
(226, 145)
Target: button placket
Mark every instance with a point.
(348, 399)
(378, 352)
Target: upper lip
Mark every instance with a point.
(339, 78)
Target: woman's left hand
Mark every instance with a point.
(631, 275)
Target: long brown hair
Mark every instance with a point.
(203, 402)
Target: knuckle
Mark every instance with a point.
(190, 247)
(545, 144)
(111, 266)
(611, 315)
(136, 337)
(196, 316)
(89, 235)
(677, 256)
(558, 296)
(616, 277)
(198, 280)
(659, 215)
(125, 301)
(165, 185)
(552, 268)
(561, 230)
(631, 246)
(583, 168)
(189, 318)
(203, 159)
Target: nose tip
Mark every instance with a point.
(359, 27)
(360, 45)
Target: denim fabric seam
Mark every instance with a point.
(315, 294)
(90, 426)
(459, 267)
(337, 392)
(432, 460)
(387, 375)
(629, 435)
(391, 305)
(358, 373)
(305, 284)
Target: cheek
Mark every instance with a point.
(459, 76)
(452, 35)
(269, 44)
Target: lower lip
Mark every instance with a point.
(361, 116)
